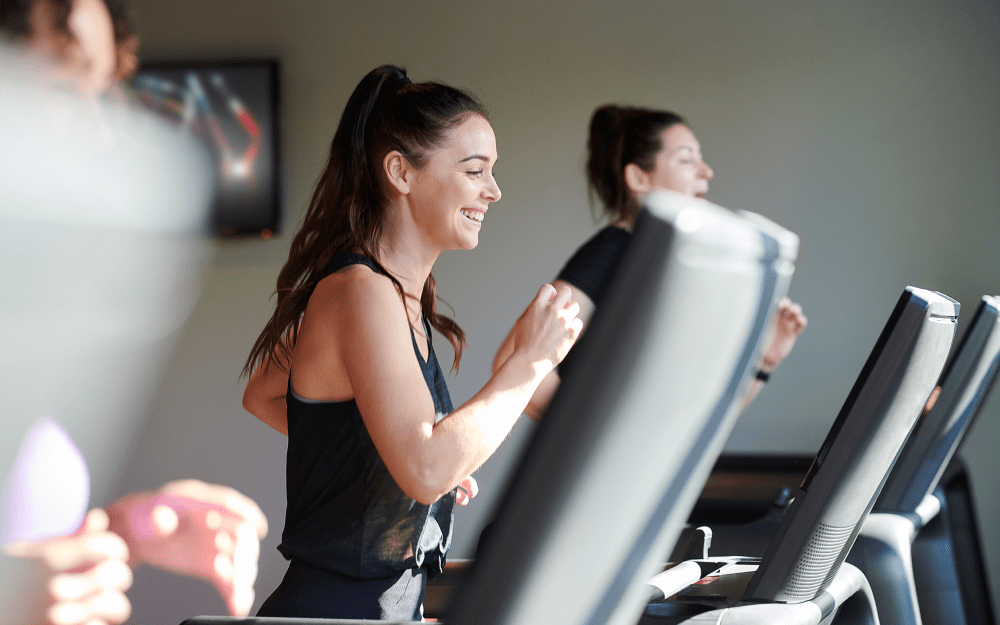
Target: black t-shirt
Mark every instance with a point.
(591, 267)
(590, 270)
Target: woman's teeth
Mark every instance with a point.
(474, 216)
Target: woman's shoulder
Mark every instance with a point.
(354, 318)
(353, 286)
(609, 240)
(609, 235)
(588, 268)
(353, 309)
(350, 259)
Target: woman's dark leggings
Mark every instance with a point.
(308, 591)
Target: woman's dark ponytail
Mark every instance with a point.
(372, 96)
(604, 146)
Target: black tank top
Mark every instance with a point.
(345, 512)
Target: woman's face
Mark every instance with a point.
(678, 165)
(84, 54)
(452, 191)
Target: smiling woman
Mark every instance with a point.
(377, 455)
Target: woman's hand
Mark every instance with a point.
(546, 331)
(467, 489)
(196, 529)
(789, 324)
(89, 573)
(539, 402)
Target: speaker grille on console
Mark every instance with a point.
(823, 555)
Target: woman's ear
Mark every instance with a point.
(638, 181)
(398, 171)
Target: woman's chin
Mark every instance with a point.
(465, 243)
(469, 239)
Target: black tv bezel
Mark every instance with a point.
(272, 222)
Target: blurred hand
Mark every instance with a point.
(90, 573)
(196, 529)
(790, 322)
(467, 489)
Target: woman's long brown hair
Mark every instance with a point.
(386, 112)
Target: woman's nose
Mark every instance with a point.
(492, 191)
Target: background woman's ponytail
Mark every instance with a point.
(604, 147)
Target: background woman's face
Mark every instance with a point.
(679, 165)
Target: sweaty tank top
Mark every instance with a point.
(344, 511)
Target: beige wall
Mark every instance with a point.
(869, 130)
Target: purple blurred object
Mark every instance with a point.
(48, 488)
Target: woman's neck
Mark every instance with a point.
(627, 216)
(404, 254)
(410, 269)
(625, 223)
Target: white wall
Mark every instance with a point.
(869, 130)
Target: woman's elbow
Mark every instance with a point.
(271, 412)
(426, 498)
(251, 402)
(423, 494)
(425, 486)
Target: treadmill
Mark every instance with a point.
(802, 577)
(912, 499)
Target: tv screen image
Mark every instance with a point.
(231, 107)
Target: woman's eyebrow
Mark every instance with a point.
(481, 157)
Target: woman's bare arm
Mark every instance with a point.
(264, 396)
(789, 324)
(356, 336)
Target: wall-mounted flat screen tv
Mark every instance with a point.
(232, 108)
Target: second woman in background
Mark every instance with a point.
(632, 151)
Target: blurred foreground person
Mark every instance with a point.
(102, 210)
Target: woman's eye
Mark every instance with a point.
(475, 172)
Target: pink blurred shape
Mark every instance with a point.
(48, 488)
(141, 517)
